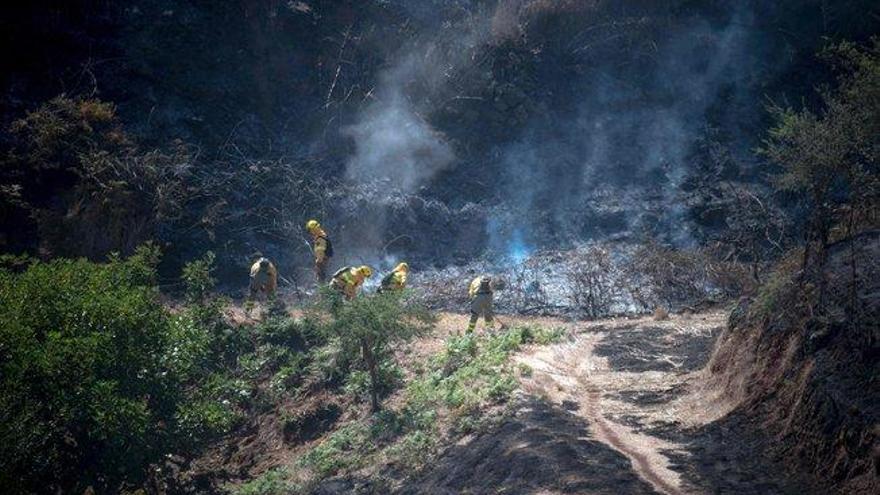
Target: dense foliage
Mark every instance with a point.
(100, 380)
(832, 155)
(87, 394)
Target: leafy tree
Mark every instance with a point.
(83, 396)
(371, 325)
(832, 155)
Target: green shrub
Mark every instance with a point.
(202, 342)
(289, 374)
(776, 290)
(359, 385)
(344, 449)
(472, 372)
(99, 380)
(369, 325)
(414, 448)
(85, 394)
(273, 482)
(198, 279)
(205, 418)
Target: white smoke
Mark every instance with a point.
(394, 143)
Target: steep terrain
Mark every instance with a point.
(619, 407)
(806, 373)
(434, 130)
(602, 159)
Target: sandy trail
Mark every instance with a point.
(638, 385)
(573, 375)
(619, 407)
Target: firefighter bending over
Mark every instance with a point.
(348, 280)
(264, 278)
(396, 280)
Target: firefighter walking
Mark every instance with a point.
(482, 293)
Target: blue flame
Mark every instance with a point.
(517, 249)
(510, 247)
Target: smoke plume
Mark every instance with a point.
(393, 143)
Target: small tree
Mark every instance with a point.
(373, 324)
(832, 155)
(591, 281)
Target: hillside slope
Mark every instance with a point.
(809, 375)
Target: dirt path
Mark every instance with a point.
(576, 375)
(619, 407)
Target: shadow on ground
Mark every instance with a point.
(727, 456)
(541, 448)
(639, 349)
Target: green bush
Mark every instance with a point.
(774, 294)
(198, 279)
(345, 448)
(472, 372)
(99, 380)
(369, 325)
(273, 482)
(358, 384)
(85, 393)
(414, 448)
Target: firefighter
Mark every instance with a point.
(348, 280)
(396, 280)
(264, 278)
(481, 292)
(323, 249)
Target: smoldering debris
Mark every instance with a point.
(593, 280)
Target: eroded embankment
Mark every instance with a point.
(804, 364)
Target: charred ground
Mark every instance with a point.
(535, 123)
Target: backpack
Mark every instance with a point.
(329, 251)
(387, 280)
(342, 270)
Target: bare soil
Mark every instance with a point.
(620, 407)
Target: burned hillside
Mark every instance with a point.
(273, 247)
(581, 120)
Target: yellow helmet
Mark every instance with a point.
(365, 271)
(312, 225)
(402, 267)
